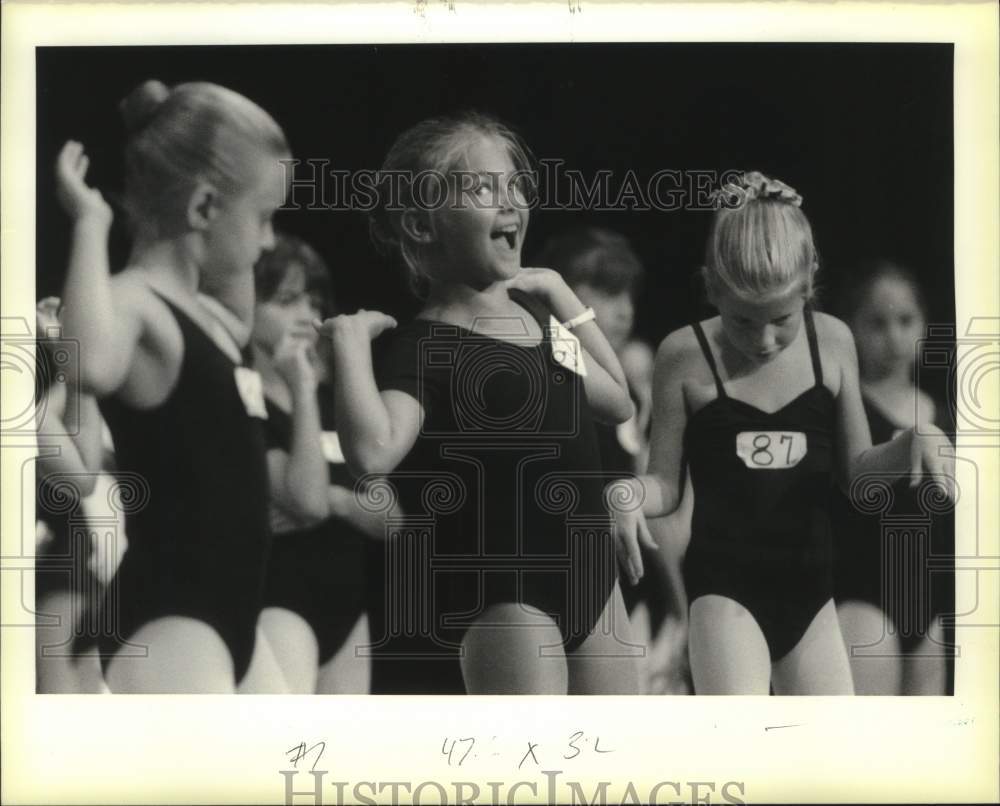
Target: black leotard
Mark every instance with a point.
(319, 571)
(199, 546)
(760, 535)
(881, 556)
(503, 490)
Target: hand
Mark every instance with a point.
(624, 499)
(927, 458)
(79, 200)
(291, 360)
(551, 287)
(349, 329)
(46, 316)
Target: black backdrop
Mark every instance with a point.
(863, 131)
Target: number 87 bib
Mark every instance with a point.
(771, 450)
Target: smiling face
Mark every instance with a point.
(478, 235)
(241, 228)
(760, 327)
(886, 327)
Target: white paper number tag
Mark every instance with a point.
(566, 348)
(771, 450)
(330, 443)
(251, 391)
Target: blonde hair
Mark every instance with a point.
(760, 241)
(194, 132)
(431, 149)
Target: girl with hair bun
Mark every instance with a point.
(203, 178)
(762, 405)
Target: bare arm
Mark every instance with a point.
(663, 483)
(60, 450)
(638, 361)
(102, 315)
(376, 429)
(605, 384)
(299, 477)
(658, 492)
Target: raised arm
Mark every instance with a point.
(103, 316)
(299, 477)
(605, 384)
(376, 429)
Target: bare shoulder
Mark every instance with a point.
(679, 355)
(836, 343)
(831, 330)
(134, 299)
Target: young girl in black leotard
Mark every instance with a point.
(203, 179)
(314, 618)
(894, 593)
(763, 404)
(483, 415)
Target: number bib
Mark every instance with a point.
(566, 348)
(251, 392)
(330, 443)
(771, 450)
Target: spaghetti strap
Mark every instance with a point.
(703, 341)
(813, 346)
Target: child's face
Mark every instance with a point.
(288, 313)
(887, 326)
(241, 228)
(615, 313)
(762, 326)
(478, 235)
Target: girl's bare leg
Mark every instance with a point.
(727, 648)
(269, 675)
(347, 672)
(508, 650)
(186, 656)
(607, 661)
(818, 664)
(62, 673)
(925, 670)
(876, 665)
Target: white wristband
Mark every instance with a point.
(581, 319)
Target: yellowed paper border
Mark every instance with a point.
(230, 750)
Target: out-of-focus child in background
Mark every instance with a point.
(314, 616)
(69, 457)
(604, 271)
(890, 604)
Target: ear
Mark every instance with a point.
(203, 205)
(417, 225)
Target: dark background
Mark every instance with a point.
(863, 132)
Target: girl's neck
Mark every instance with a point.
(168, 263)
(459, 299)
